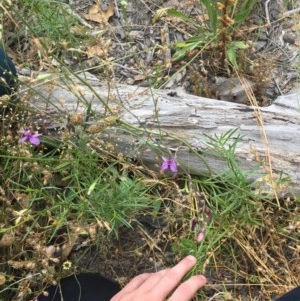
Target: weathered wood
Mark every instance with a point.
(167, 113)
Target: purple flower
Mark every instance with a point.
(169, 164)
(30, 137)
(200, 233)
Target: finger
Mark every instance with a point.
(188, 289)
(151, 282)
(173, 277)
(134, 283)
(143, 283)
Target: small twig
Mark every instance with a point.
(127, 68)
(276, 84)
(267, 12)
(116, 9)
(291, 12)
(220, 293)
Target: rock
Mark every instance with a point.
(231, 89)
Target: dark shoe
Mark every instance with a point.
(82, 287)
(293, 295)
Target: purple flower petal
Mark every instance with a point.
(165, 164)
(193, 225)
(23, 139)
(34, 140)
(200, 235)
(173, 165)
(169, 164)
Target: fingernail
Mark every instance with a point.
(203, 278)
(192, 258)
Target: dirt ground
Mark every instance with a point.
(144, 53)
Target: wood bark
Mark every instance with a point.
(157, 117)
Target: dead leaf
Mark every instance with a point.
(96, 14)
(67, 248)
(50, 250)
(43, 45)
(2, 279)
(94, 9)
(76, 118)
(30, 265)
(139, 77)
(7, 239)
(100, 50)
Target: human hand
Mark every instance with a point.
(158, 286)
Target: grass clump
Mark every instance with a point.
(243, 231)
(51, 19)
(46, 195)
(216, 31)
(44, 31)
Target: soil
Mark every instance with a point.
(144, 48)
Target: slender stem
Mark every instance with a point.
(224, 32)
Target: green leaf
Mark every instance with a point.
(159, 14)
(156, 206)
(183, 47)
(173, 13)
(212, 12)
(177, 14)
(92, 187)
(187, 244)
(63, 166)
(244, 11)
(231, 55)
(239, 45)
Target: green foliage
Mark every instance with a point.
(224, 146)
(242, 10)
(176, 14)
(212, 11)
(79, 186)
(231, 49)
(218, 30)
(231, 200)
(52, 22)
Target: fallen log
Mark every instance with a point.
(269, 137)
